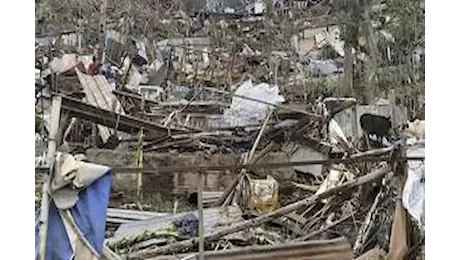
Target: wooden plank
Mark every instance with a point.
(91, 98)
(133, 96)
(126, 123)
(98, 93)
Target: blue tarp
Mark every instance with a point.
(90, 215)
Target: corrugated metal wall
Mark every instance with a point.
(346, 118)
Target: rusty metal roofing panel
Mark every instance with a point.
(335, 249)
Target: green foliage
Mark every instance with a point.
(407, 25)
(43, 11)
(67, 14)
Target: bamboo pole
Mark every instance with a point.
(140, 154)
(398, 240)
(200, 216)
(33, 120)
(52, 145)
(393, 108)
(103, 21)
(140, 163)
(262, 129)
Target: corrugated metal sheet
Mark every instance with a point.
(98, 93)
(120, 216)
(336, 249)
(213, 218)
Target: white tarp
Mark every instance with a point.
(259, 7)
(68, 61)
(247, 112)
(142, 50)
(414, 190)
(61, 65)
(336, 135)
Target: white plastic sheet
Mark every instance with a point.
(61, 65)
(414, 190)
(142, 50)
(259, 7)
(336, 133)
(323, 67)
(244, 111)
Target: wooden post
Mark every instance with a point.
(33, 117)
(125, 80)
(259, 135)
(356, 121)
(126, 31)
(101, 50)
(94, 135)
(398, 239)
(373, 57)
(200, 216)
(79, 36)
(393, 108)
(52, 145)
(140, 163)
(140, 159)
(348, 70)
(370, 39)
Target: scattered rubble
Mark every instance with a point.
(237, 117)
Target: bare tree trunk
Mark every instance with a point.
(348, 70)
(371, 66)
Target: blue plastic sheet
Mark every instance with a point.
(90, 216)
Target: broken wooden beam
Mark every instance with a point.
(138, 98)
(125, 123)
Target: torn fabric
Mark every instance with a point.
(89, 213)
(70, 177)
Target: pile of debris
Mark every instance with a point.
(334, 189)
(250, 213)
(224, 125)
